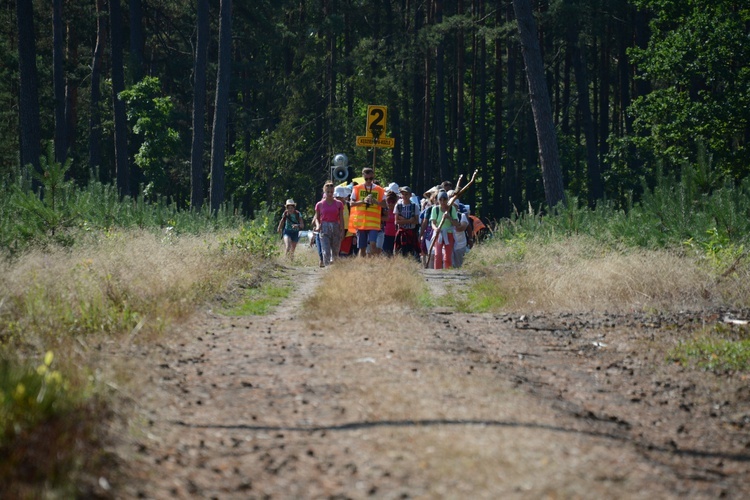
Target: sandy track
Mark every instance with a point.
(410, 404)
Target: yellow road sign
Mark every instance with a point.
(376, 120)
(369, 142)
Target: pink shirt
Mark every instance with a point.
(390, 224)
(329, 212)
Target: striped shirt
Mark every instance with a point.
(405, 211)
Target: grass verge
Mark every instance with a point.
(117, 288)
(580, 274)
(373, 285)
(484, 295)
(259, 300)
(723, 348)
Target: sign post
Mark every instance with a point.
(375, 131)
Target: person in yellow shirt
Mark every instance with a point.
(366, 206)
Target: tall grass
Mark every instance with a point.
(63, 213)
(684, 245)
(578, 273)
(80, 268)
(674, 212)
(377, 285)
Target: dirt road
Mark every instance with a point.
(432, 404)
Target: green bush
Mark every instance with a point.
(63, 213)
(257, 237)
(29, 395)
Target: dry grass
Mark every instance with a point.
(579, 274)
(126, 287)
(375, 284)
(126, 280)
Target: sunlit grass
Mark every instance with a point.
(369, 284)
(259, 301)
(578, 273)
(116, 287)
(722, 347)
(483, 295)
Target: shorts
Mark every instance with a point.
(365, 236)
(293, 234)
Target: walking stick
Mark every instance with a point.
(456, 195)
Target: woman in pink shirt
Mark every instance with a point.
(330, 214)
(389, 228)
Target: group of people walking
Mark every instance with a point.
(367, 220)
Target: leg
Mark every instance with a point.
(439, 255)
(448, 252)
(287, 244)
(338, 237)
(362, 242)
(325, 244)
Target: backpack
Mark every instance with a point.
(428, 228)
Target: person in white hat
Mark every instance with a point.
(289, 226)
(342, 194)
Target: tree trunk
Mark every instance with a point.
(439, 118)
(122, 168)
(604, 87)
(549, 155)
(28, 88)
(58, 80)
(498, 187)
(460, 103)
(578, 60)
(482, 125)
(511, 186)
(71, 91)
(221, 112)
(427, 174)
(95, 132)
(136, 40)
(199, 107)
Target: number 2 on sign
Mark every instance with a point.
(376, 119)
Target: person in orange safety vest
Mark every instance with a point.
(367, 201)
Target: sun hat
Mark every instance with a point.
(392, 187)
(290, 202)
(339, 192)
(405, 189)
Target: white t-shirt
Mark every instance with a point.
(459, 237)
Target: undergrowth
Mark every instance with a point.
(81, 268)
(722, 348)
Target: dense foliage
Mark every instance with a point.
(664, 81)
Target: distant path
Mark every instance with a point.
(445, 282)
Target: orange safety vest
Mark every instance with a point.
(362, 216)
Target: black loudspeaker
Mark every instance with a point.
(339, 173)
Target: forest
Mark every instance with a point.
(244, 103)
